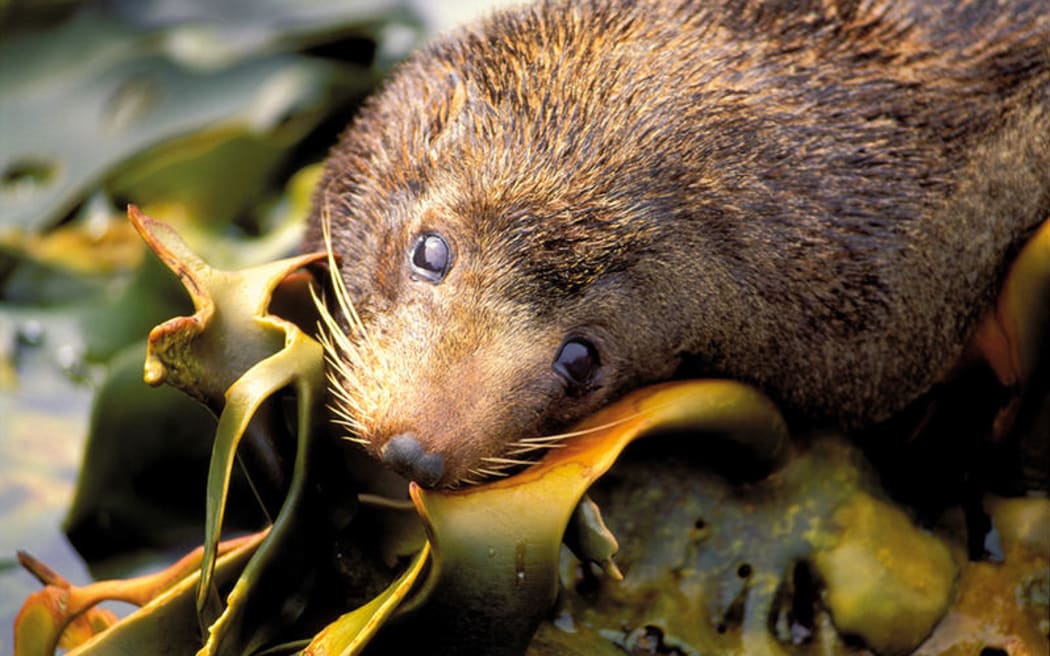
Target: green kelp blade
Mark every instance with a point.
(231, 329)
(496, 546)
(301, 358)
(107, 94)
(248, 623)
(590, 539)
(1014, 336)
(232, 353)
(167, 626)
(243, 400)
(1014, 339)
(45, 616)
(349, 634)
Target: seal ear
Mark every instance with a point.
(445, 106)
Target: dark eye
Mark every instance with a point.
(576, 361)
(430, 257)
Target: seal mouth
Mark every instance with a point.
(404, 454)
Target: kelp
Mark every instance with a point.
(102, 104)
(691, 523)
(695, 522)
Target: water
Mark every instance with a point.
(43, 427)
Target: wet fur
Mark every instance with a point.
(816, 197)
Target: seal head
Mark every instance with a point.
(570, 200)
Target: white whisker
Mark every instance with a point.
(348, 348)
(338, 286)
(347, 423)
(541, 440)
(507, 462)
(533, 448)
(345, 396)
(577, 433)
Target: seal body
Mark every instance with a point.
(817, 197)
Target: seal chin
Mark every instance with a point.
(404, 454)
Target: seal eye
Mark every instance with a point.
(431, 257)
(576, 361)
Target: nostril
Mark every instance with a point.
(402, 448)
(406, 455)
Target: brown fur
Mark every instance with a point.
(818, 197)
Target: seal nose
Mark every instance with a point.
(404, 454)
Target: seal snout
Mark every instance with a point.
(404, 454)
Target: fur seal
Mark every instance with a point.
(571, 199)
